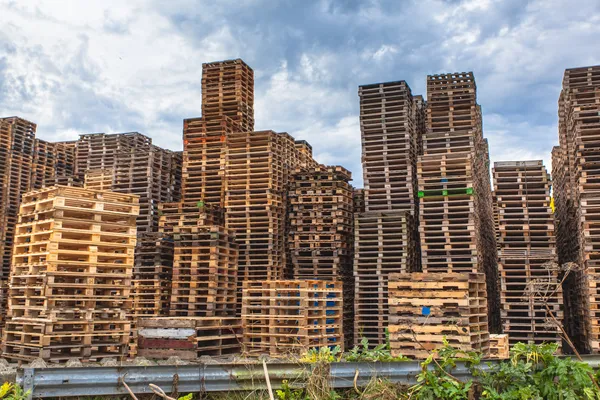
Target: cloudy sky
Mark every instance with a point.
(109, 66)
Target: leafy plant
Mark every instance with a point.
(380, 353)
(438, 383)
(322, 354)
(287, 393)
(534, 372)
(13, 392)
(188, 396)
(5, 389)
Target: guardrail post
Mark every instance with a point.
(28, 376)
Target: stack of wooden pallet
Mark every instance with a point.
(152, 276)
(455, 209)
(320, 230)
(52, 162)
(204, 272)
(285, 317)
(203, 286)
(358, 200)
(71, 275)
(577, 201)
(258, 170)
(530, 284)
(17, 139)
(138, 167)
(189, 338)
(228, 90)
(448, 220)
(304, 153)
(389, 131)
(385, 234)
(187, 214)
(428, 308)
(320, 214)
(204, 281)
(227, 107)
(99, 179)
(204, 151)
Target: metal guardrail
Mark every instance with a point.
(107, 381)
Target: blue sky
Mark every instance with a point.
(115, 66)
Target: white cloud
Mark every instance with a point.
(77, 67)
(383, 51)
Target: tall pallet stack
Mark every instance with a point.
(227, 107)
(205, 144)
(152, 275)
(455, 210)
(71, 275)
(204, 279)
(259, 166)
(385, 235)
(138, 167)
(529, 273)
(577, 201)
(202, 301)
(428, 308)
(321, 230)
(286, 317)
(26, 163)
(151, 284)
(17, 139)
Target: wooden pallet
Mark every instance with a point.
(189, 337)
(204, 272)
(320, 234)
(385, 243)
(575, 184)
(204, 152)
(451, 103)
(138, 167)
(152, 276)
(456, 207)
(526, 252)
(258, 169)
(285, 317)
(428, 308)
(188, 214)
(358, 200)
(228, 90)
(499, 346)
(17, 142)
(99, 179)
(70, 283)
(390, 125)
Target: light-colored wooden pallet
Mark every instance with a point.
(99, 179)
(499, 346)
(428, 308)
(70, 283)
